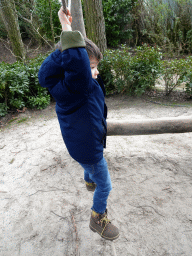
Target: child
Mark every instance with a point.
(70, 75)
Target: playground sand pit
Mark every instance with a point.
(45, 207)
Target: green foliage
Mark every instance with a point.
(188, 86)
(3, 109)
(146, 65)
(25, 9)
(131, 74)
(19, 86)
(134, 73)
(175, 73)
(189, 40)
(117, 16)
(105, 70)
(166, 23)
(42, 10)
(39, 102)
(38, 11)
(13, 85)
(3, 32)
(188, 76)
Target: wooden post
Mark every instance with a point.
(152, 126)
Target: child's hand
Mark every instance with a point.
(65, 20)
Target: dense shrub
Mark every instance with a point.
(173, 73)
(134, 73)
(19, 86)
(122, 70)
(167, 23)
(117, 15)
(176, 72)
(105, 71)
(130, 73)
(188, 76)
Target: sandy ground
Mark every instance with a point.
(45, 207)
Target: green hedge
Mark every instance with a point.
(122, 70)
(135, 72)
(118, 17)
(176, 72)
(131, 73)
(19, 86)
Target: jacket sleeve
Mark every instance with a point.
(69, 68)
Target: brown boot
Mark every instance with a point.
(101, 224)
(90, 186)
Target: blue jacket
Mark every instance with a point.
(80, 99)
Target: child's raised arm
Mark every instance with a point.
(65, 20)
(69, 69)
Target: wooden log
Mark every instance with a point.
(149, 126)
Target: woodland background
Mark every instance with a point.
(141, 40)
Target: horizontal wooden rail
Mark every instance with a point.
(150, 126)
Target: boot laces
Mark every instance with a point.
(89, 184)
(106, 221)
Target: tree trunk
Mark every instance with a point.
(10, 19)
(95, 23)
(51, 22)
(77, 14)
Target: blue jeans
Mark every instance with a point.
(99, 174)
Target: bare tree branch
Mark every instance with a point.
(36, 30)
(10, 49)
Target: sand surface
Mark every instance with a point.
(45, 207)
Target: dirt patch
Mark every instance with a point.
(45, 207)
(15, 117)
